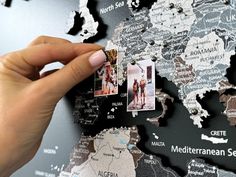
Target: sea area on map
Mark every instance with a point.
(118, 10)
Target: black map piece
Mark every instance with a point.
(6, 3)
(75, 23)
(222, 34)
(175, 45)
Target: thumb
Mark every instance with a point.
(60, 82)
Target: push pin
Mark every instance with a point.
(165, 44)
(180, 9)
(171, 5)
(226, 1)
(133, 62)
(154, 58)
(143, 30)
(151, 42)
(194, 111)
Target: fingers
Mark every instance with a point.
(48, 40)
(25, 61)
(41, 55)
(60, 82)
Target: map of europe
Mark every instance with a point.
(191, 43)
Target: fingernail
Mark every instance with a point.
(97, 59)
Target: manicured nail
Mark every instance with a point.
(97, 59)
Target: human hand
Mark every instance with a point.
(28, 99)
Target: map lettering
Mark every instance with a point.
(149, 161)
(203, 51)
(112, 7)
(107, 9)
(231, 18)
(160, 144)
(107, 174)
(231, 152)
(218, 133)
(198, 151)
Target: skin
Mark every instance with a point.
(28, 98)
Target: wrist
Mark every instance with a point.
(6, 168)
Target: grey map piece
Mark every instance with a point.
(228, 37)
(204, 24)
(208, 79)
(214, 16)
(197, 3)
(131, 38)
(223, 173)
(228, 20)
(175, 45)
(3, 2)
(165, 68)
(150, 166)
(199, 168)
(151, 34)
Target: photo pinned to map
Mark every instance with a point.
(105, 81)
(141, 86)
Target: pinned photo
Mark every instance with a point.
(105, 81)
(141, 86)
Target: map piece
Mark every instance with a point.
(133, 3)
(169, 19)
(3, 2)
(112, 148)
(131, 38)
(81, 152)
(162, 98)
(228, 37)
(89, 27)
(197, 3)
(183, 73)
(151, 166)
(199, 168)
(210, 61)
(214, 140)
(74, 23)
(132, 146)
(206, 53)
(214, 15)
(229, 102)
(86, 110)
(137, 5)
(175, 45)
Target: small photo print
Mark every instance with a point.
(141, 86)
(105, 82)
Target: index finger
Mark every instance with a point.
(25, 61)
(43, 54)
